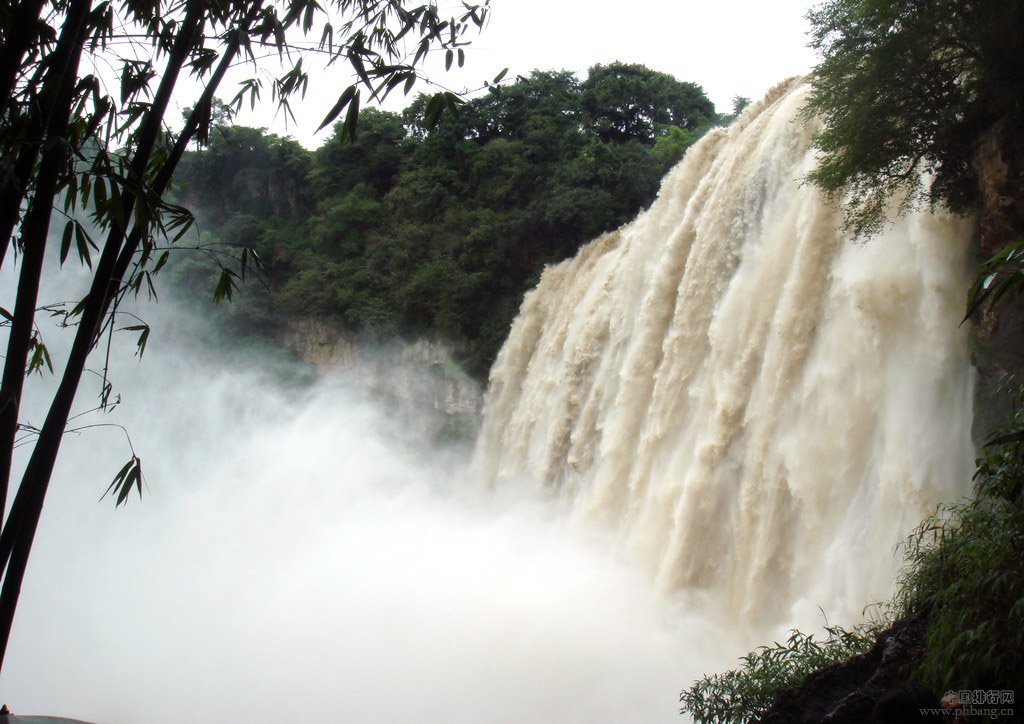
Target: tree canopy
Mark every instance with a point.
(907, 88)
(622, 102)
(412, 230)
(922, 103)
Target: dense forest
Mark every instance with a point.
(410, 229)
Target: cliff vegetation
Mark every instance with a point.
(411, 230)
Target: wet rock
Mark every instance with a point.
(846, 693)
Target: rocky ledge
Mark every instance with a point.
(846, 693)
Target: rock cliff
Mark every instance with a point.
(421, 377)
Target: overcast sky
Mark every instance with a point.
(730, 47)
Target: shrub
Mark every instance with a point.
(965, 564)
(743, 694)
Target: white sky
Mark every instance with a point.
(730, 47)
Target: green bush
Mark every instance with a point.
(966, 566)
(743, 694)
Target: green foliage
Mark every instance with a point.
(373, 157)
(739, 104)
(245, 171)
(907, 87)
(40, 356)
(409, 228)
(622, 102)
(1000, 274)
(743, 694)
(670, 147)
(965, 565)
(130, 476)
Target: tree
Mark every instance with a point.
(670, 147)
(921, 104)
(739, 104)
(622, 102)
(248, 170)
(74, 149)
(373, 157)
(416, 230)
(907, 88)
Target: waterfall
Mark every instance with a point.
(727, 391)
(759, 407)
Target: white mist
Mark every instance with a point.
(299, 557)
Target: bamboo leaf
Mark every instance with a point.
(348, 129)
(65, 242)
(161, 261)
(346, 97)
(327, 38)
(140, 343)
(82, 241)
(40, 358)
(435, 107)
(99, 194)
(150, 288)
(128, 477)
(226, 285)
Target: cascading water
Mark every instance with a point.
(761, 408)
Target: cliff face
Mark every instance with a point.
(999, 345)
(420, 378)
